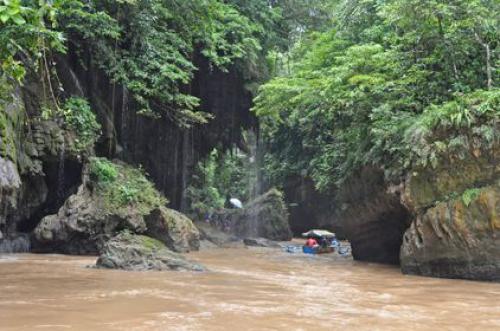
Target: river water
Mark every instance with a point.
(245, 289)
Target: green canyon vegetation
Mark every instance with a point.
(376, 118)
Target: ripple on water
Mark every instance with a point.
(246, 289)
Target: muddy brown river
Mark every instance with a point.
(245, 289)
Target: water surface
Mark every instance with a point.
(246, 289)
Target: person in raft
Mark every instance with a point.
(311, 242)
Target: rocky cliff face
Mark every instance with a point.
(439, 221)
(167, 152)
(37, 169)
(374, 220)
(455, 229)
(457, 238)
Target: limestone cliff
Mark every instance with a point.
(459, 238)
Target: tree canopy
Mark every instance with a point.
(392, 84)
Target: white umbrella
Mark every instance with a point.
(236, 203)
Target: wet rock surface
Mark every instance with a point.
(456, 239)
(19, 243)
(374, 220)
(173, 228)
(211, 237)
(82, 226)
(141, 253)
(265, 217)
(261, 242)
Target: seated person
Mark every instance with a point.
(311, 242)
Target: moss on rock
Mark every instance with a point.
(456, 240)
(134, 252)
(173, 228)
(425, 187)
(124, 189)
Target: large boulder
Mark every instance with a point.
(113, 197)
(173, 228)
(212, 237)
(82, 225)
(266, 217)
(459, 238)
(141, 253)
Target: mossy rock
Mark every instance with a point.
(425, 187)
(173, 228)
(123, 189)
(133, 252)
(459, 238)
(98, 211)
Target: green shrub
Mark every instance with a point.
(123, 188)
(82, 121)
(103, 170)
(219, 175)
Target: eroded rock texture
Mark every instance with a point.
(85, 223)
(174, 229)
(310, 208)
(457, 238)
(141, 253)
(455, 232)
(374, 220)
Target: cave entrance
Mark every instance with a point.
(61, 180)
(379, 239)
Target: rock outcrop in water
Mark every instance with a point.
(457, 238)
(141, 253)
(448, 217)
(100, 210)
(456, 229)
(173, 228)
(265, 217)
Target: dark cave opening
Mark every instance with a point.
(61, 180)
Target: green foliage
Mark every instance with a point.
(27, 33)
(103, 170)
(395, 85)
(151, 47)
(82, 121)
(470, 195)
(79, 120)
(220, 175)
(124, 189)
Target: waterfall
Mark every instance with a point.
(61, 194)
(76, 81)
(253, 180)
(124, 118)
(184, 168)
